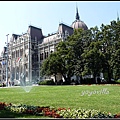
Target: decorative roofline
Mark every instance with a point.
(34, 27)
(65, 25)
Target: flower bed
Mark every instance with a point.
(56, 113)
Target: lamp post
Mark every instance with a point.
(29, 47)
(7, 62)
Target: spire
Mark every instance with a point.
(77, 14)
(118, 17)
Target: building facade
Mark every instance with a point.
(26, 52)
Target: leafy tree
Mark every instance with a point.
(110, 38)
(77, 43)
(87, 52)
(115, 57)
(94, 60)
(66, 55)
(116, 64)
(59, 62)
(106, 46)
(51, 65)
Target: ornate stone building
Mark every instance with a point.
(26, 52)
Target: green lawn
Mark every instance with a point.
(66, 96)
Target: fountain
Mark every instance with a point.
(25, 81)
(25, 84)
(25, 67)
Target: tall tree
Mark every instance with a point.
(94, 60)
(51, 65)
(111, 39)
(66, 55)
(107, 48)
(77, 43)
(59, 62)
(115, 57)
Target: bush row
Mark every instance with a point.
(46, 82)
(3, 85)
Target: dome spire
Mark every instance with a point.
(77, 14)
(78, 23)
(117, 17)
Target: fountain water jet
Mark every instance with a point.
(25, 84)
(26, 79)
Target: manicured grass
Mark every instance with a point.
(66, 96)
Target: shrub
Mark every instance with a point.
(46, 82)
(3, 85)
(87, 81)
(118, 81)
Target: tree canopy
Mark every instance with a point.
(87, 52)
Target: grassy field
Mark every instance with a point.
(99, 97)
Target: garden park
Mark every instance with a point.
(62, 101)
(89, 52)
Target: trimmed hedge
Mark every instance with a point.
(46, 82)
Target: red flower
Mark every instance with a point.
(2, 105)
(117, 115)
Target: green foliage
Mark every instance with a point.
(118, 81)
(87, 81)
(65, 96)
(52, 65)
(3, 85)
(86, 52)
(59, 62)
(46, 82)
(94, 59)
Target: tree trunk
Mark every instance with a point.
(69, 79)
(94, 77)
(109, 74)
(55, 79)
(81, 79)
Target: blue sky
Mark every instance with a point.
(15, 17)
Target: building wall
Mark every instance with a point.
(2, 69)
(27, 52)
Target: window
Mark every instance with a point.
(45, 55)
(32, 46)
(37, 57)
(41, 56)
(32, 57)
(26, 66)
(3, 77)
